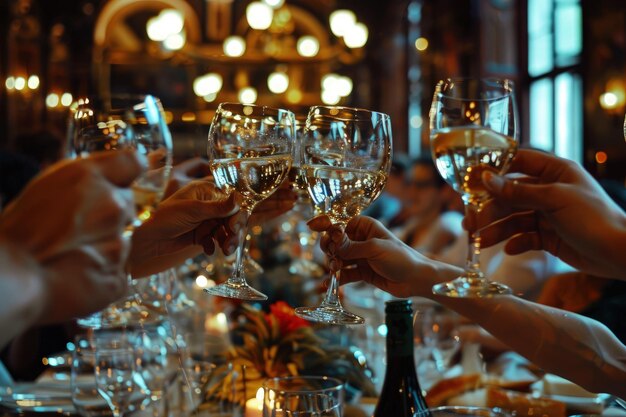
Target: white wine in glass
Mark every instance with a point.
(250, 152)
(473, 129)
(346, 157)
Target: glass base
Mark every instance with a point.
(329, 315)
(239, 291)
(464, 287)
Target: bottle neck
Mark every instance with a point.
(399, 337)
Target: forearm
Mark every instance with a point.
(567, 344)
(22, 292)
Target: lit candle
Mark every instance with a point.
(254, 406)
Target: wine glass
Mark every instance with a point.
(153, 364)
(473, 129)
(112, 124)
(115, 373)
(249, 152)
(304, 238)
(346, 157)
(84, 391)
(303, 396)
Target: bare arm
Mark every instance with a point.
(21, 292)
(567, 344)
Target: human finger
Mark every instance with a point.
(508, 227)
(320, 223)
(522, 195)
(120, 168)
(540, 164)
(363, 228)
(204, 210)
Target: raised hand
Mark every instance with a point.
(371, 253)
(194, 217)
(70, 220)
(557, 207)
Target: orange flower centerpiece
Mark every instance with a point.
(282, 344)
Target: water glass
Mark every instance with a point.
(85, 395)
(303, 396)
(115, 375)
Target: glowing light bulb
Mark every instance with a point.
(172, 20)
(356, 36)
(33, 82)
(247, 95)
(66, 99)
(259, 15)
(330, 97)
(234, 46)
(175, 42)
(343, 86)
(210, 83)
(20, 83)
(278, 82)
(308, 46)
(341, 21)
(52, 100)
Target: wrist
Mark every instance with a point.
(23, 286)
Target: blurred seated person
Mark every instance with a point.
(429, 228)
(388, 207)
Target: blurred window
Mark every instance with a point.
(554, 52)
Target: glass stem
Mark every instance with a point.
(332, 294)
(238, 276)
(472, 265)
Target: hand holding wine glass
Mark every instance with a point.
(121, 123)
(473, 130)
(250, 153)
(346, 157)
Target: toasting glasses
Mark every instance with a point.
(113, 124)
(346, 157)
(250, 152)
(473, 129)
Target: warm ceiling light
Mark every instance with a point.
(278, 82)
(274, 4)
(343, 86)
(175, 41)
(156, 30)
(329, 82)
(356, 36)
(608, 100)
(52, 100)
(247, 95)
(308, 46)
(330, 97)
(341, 21)
(172, 19)
(234, 46)
(66, 99)
(20, 83)
(259, 15)
(210, 83)
(10, 83)
(33, 82)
